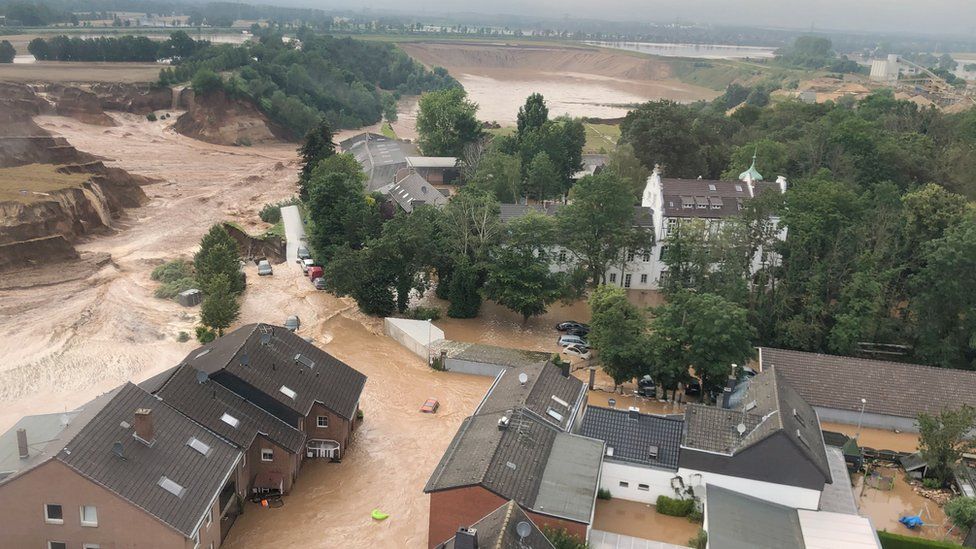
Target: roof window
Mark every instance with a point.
(738, 188)
(560, 401)
(711, 187)
(652, 452)
(304, 360)
(198, 445)
(201, 353)
(799, 418)
(230, 420)
(288, 392)
(609, 451)
(554, 414)
(171, 486)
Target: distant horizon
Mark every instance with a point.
(956, 18)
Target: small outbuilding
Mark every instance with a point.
(190, 298)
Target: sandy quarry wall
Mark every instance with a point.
(216, 118)
(461, 57)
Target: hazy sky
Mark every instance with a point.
(914, 16)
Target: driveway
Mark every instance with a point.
(294, 231)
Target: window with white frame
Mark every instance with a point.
(630, 255)
(53, 513)
(322, 422)
(57, 545)
(624, 484)
(670, 226)
(267, 454)
(643, 279)
(627, 280)
(647, 257)
(643, 487)
(613, 277)
(91, 546)
(89, 516)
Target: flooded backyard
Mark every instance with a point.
(885, 507)
(641, 520)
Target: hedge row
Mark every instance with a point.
(675, 507)
(895, 541)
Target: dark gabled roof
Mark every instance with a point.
(769, 406)
(739, 521)
(544, 385)
(723, 201)
(206, 403)
(530, 461)
(379, 156)
(498, 530)
(273, 365)
(413, 191)
(632, 439)
(643, 217)
(890, 388)
(136, 478)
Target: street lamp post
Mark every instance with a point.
(860, 417)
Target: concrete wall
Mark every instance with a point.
(876, 421)
(412, 334)
(471, 367)
(120, 524)
(658, 482)
(791, 496)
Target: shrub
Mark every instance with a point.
(895, 541)
(170, 290)
(205, 335)
(700, 541)
(962, 512)
(931, 483)
(696, 515)
(560, 538)
(271, 213)
(151, 117)
(603, 493)
(675, 507)
(438, 364)
(172, 271)
(359, 415)
(424, 313)
(183, 337)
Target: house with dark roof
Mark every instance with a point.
(893, 393)
(121, 470)
(508, 527)
(279, 398)
(770, 445)
(518, 446)
(410, 191)
(641, 458)
(738, 520)
(436, 170)
(675, 202)
(380, 157)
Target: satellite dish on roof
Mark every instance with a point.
(523, 529)
(740, 428)
(523, 378)
(202, 376)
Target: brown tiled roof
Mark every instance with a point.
(890, 388)
(723, 201)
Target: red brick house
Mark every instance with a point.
(507, 452)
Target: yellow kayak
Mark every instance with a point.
(379, 515)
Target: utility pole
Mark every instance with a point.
(859, 418)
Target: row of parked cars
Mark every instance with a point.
(573, 339)
(312, 271)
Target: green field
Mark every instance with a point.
(601, 138)
(37, 180)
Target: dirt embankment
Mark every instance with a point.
(38, 220)
(221, 120)
(252, 247)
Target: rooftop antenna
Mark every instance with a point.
(119, 450)
(202, 376)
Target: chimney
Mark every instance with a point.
(781, 181)
(502, 423)
(144, 426)
(633, 413)
(466, 538)
(564, 368)
(592, 377)
(22, 443)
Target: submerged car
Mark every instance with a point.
(567, 340)
(572, 325)
(303, 253)
(293, 323)
(579, 351)
(319, 283)
(306, 263)
(264, 268)
(646, 387)
(430, 406)
(693, 387)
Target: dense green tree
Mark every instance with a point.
(446, 122)
(206, 81)
(942, 439)
(318, 146)
(339, 212)
(628, 167)
(961, 511)
(499, 174)
(562, 139)
(808, 52)
(220, 308)
(464, 290)
(533, 115)
(703, 331)
(219, 255)
(662, 133)
(598, 224)
(542, 181)
(618, 330)
(471, 226)
(560, 538)
(7, 52)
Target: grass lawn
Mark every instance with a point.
(601, 138)
(37, 180)
(387, 130)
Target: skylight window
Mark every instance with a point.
(171, 486)
(198, 445)
(554, 414)
(230, 420)
(738, 188)
(288, 392)
(560, 401)
(751, 405)
(711, 186)
(304, 360)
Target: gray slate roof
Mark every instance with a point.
(379, 156)
(643, 217)
(491, 354)
(526, 462)
(270, 366)
(413, 191)
(631, 439)
(722, 202)
(41, 431)
(136, 477)
(838, 496)
(544, 382)
(890, 388)
(739, 521)
(206, 402)
(497, 530)
(769, 406)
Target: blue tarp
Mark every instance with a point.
(911, 522)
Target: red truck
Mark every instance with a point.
(314, 272)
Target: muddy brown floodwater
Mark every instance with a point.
(885, 507)
(641, 520)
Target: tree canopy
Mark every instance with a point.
(446, 122)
